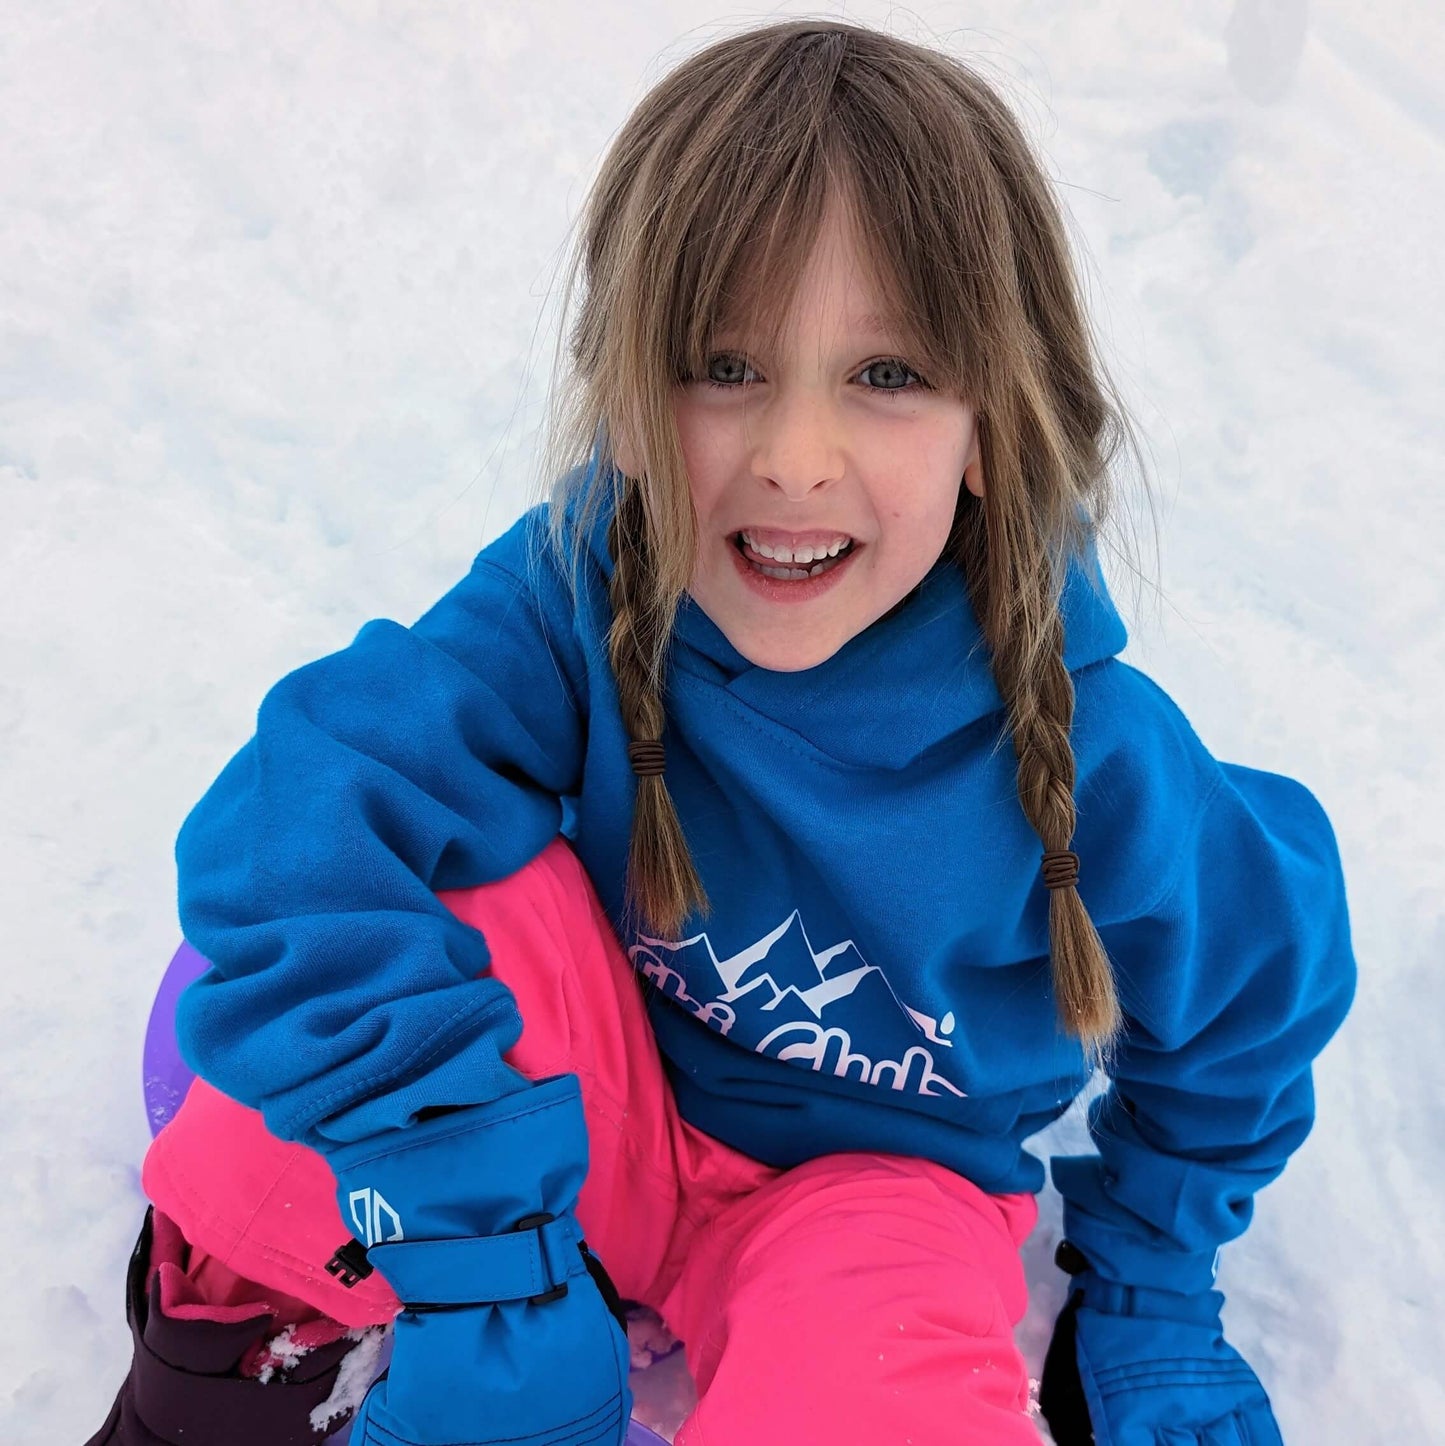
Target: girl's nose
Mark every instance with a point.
(798, 444)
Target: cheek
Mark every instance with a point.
(705, 456)
(939, 481)
(918, 497)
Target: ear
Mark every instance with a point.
(973, 468)
(623, 455)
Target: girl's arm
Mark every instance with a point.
(343, 996)
(1232, 982)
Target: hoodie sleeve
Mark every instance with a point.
(342, 995)
(1231, 983)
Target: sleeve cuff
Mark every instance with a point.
(1118, 1247)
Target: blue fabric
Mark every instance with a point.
(438, 1205)
(873, 973)
(1156, 1370)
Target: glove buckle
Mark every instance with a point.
(535, 1222)
(349, 1264)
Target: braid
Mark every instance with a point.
(1039, 695)
(662, 882)
(1041, 719)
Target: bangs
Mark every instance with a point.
(742, 277)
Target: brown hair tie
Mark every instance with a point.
(647, 758)
(1061, 869)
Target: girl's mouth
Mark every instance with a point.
(791, 571)
(789, 582)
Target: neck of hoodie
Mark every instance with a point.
(913, 678)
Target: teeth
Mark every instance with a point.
(803, 555)
(793, 574)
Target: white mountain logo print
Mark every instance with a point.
(772, 997)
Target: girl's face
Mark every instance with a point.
(834, 437)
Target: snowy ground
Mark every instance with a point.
(270, 365)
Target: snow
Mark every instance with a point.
(359, 1368)
(274, 300)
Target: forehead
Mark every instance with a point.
(824, 287)
(867, 324)
(855, 328)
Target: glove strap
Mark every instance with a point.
(1113, 1298)
(532, 1262)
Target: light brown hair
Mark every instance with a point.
(705, 208)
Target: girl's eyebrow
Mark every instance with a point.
(871, 325)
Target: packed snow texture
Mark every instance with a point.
(275, 297)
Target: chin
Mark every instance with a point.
(786, 656)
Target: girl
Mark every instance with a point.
(831, 473)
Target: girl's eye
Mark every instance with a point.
(730, 363)
(886, 366)
(899, 370)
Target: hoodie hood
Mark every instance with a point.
(906, 682)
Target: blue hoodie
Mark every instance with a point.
(873, 974)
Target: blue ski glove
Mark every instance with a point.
(1132, 1366)
(510, 1331)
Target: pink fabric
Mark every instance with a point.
(196, 1286)
(203, 1296)
(854, 1299)
(857, 1299)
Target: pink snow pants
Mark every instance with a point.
(855, 1300)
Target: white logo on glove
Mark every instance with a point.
(369, 1214)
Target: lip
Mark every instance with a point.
(776, 590)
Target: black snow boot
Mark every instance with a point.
(196, 1382)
